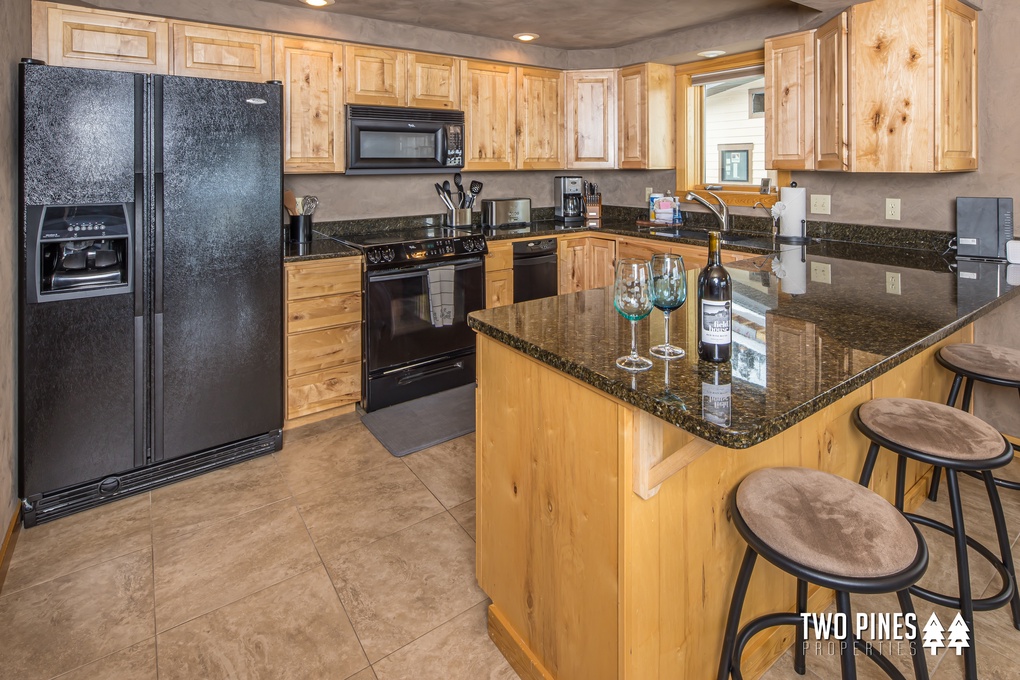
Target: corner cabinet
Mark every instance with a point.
(313, 122)
(789, 98)
(646, 94)
(540, 106)
(489, 99)
(591, 119)
(323, 326)
(226, 53)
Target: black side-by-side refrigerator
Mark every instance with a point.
(150, 339)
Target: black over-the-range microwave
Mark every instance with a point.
(390, 140)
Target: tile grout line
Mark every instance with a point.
(432, 630)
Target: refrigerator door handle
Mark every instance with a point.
(157, 388)
(157, 191)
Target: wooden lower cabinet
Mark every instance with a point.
(601, 263)
(499, 288)
(323, 348)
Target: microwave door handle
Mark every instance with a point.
(441, 141)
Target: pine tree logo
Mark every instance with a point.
(959, 634)
(933, 634)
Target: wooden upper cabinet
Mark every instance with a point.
(227, 53)
(830, 124)
(540, 104)
(790, 101)
(375, 76)
(489, 99)
(591, 119)
(646, 117)
(956, 77)
(313, 123)
(90, 38)
(433, 81)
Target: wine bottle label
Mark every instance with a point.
(715, 322)
(715, 403)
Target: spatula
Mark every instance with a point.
(476, 188)
(289, 202)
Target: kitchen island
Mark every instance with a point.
(603, 534)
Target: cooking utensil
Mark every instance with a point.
(460, 190)
(446, 189)
(300, 204)
(475, 188)
(442, 195)
(310, 204)
(289, 202)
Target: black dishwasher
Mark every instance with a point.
(535, 269)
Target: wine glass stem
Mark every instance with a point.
(633, 340)
(665, 321)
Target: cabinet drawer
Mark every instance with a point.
(323, 349)
(334, 310)
(317, 279)
(640, 250)
(499, 258)
(323, 390)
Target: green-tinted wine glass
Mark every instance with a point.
(669, 293)
(632, 299)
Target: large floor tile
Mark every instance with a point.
(213, 497)
(206, 569)
(367, 674)
(447, 469)
(134, 663)
(990, 665)
(75, 619)
(458, 650)
(81, 540)
(994, 630)
(312, 462)
(406, 584)
(782, 669)
(355, 511)
(295, 629)
(465, 516)
(320, 427)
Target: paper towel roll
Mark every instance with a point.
(794, 279)
(795, 199)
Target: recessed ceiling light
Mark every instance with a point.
(318, 3)
(525, 37)
(707, 54)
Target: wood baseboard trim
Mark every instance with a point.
(7, 547)
(513, 647)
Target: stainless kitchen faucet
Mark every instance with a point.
(723, 215)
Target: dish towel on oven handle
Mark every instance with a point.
(441, 299)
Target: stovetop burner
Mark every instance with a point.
(392, 249)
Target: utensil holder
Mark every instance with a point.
(460, 217)
(301, 228)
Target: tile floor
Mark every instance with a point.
(330, 559)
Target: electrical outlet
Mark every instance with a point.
(648, 194)
(892, 208)
(892, 283)
(821, 204)
(821, 272)
(429, 221)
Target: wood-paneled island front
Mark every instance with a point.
(603, 531)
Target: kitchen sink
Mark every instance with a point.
(698, 235)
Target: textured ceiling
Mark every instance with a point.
(565, 24)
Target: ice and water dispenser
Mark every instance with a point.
(79, 251)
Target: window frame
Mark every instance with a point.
(690, 137)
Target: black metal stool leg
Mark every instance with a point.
(963, 571)
(869, 464)
(847, 661)
(968, 393)
(799, 664)
(1004, 544)
(736, 606)
(954, 391)
(916, 651)
(901, 479)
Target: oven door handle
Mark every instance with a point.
(418, 271)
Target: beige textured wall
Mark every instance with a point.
(928, 201)
(15, 28)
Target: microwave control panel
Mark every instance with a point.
(455, 146)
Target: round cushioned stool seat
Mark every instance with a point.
(932, 429)
(826, 523)
(993, 361)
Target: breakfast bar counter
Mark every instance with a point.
(603, 530)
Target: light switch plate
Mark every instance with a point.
(821, 272)
(892, 283)
(821, 204)
(892, 208)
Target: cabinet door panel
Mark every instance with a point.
(376, 77)
(214, 52)
(433, 81)
(573, 253)
(539, 119)
(831, 143)
(499, 288)
(489, 96)
(313, 132)
(601, 263)
(956, 78)
(789, 98)
(591, 119)
(633, 113)
(87, 38)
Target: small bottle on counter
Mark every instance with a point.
(715, 306)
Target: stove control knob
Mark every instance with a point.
(388, 255)
(373, 256)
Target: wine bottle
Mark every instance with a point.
(716, 393)
(715, 307)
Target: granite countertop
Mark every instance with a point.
(799, 345)
(321, 247)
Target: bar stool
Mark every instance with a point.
(821, 529)
(959, 442)
(990, 364)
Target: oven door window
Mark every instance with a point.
(400, 325)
